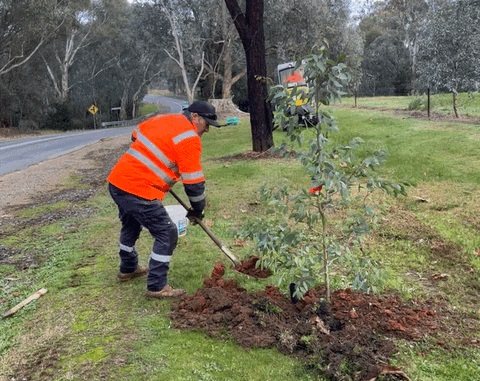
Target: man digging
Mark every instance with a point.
(165, 149)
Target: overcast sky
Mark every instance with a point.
(356, 5)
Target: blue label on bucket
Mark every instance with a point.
(177, 214)
(182, 226)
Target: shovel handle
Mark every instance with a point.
(222, 247)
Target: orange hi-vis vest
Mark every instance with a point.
(166, 148)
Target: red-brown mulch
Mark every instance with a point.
(247, 267)
(355, 327)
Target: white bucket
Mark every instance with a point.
(178, 214)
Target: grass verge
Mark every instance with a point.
(91, 327)
(442, 104)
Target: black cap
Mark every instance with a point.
(206, 111)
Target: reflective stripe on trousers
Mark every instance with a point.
(128, 257)
(135, 212)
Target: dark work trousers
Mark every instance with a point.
(135, 212)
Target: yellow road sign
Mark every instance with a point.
(93, 109)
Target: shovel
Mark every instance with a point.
(225, 250)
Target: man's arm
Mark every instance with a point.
(196, 195)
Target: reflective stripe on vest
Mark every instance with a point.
(197, 198)
(152, 166)
(153, 148)
(163, 158)
(192, 175)
(184, 135)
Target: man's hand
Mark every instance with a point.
(194, 215)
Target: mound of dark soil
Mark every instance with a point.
(355, 328)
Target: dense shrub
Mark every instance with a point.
(27, 125)
(59, 118)
(417, 104)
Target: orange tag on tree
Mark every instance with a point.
(315, 190)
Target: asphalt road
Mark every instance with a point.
(19, 154)
(175, 105)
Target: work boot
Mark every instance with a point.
(139, 271)
(166, 292)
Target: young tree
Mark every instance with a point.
(307, 233)
(249, 25)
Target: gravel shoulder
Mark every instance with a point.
(23, 187)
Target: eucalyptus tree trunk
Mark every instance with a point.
(167, 9)
(65, 53)
(455, 103)
(124, 99)
(250, 28)
(147, 77)
(228, 62)
(228, 78)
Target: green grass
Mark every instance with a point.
(148, 108)
(426, 367)
(419, 150)
(468, 104)
(90, 325)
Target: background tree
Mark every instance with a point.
(249, 25)
(386, 63)
(62, 51)
(224, 58)
(412, 15)
(92, 63)
(391, 30)
(305, 24)
(20, 41)
(449, 49)
(186, 38)
(204, 29)
(387, 66)
(139, 55)
(20, 38)
(69, 54)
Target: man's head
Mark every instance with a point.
(202, 114)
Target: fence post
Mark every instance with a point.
(428, 103)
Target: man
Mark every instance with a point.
(165, 149)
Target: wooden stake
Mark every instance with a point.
(20, 305)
